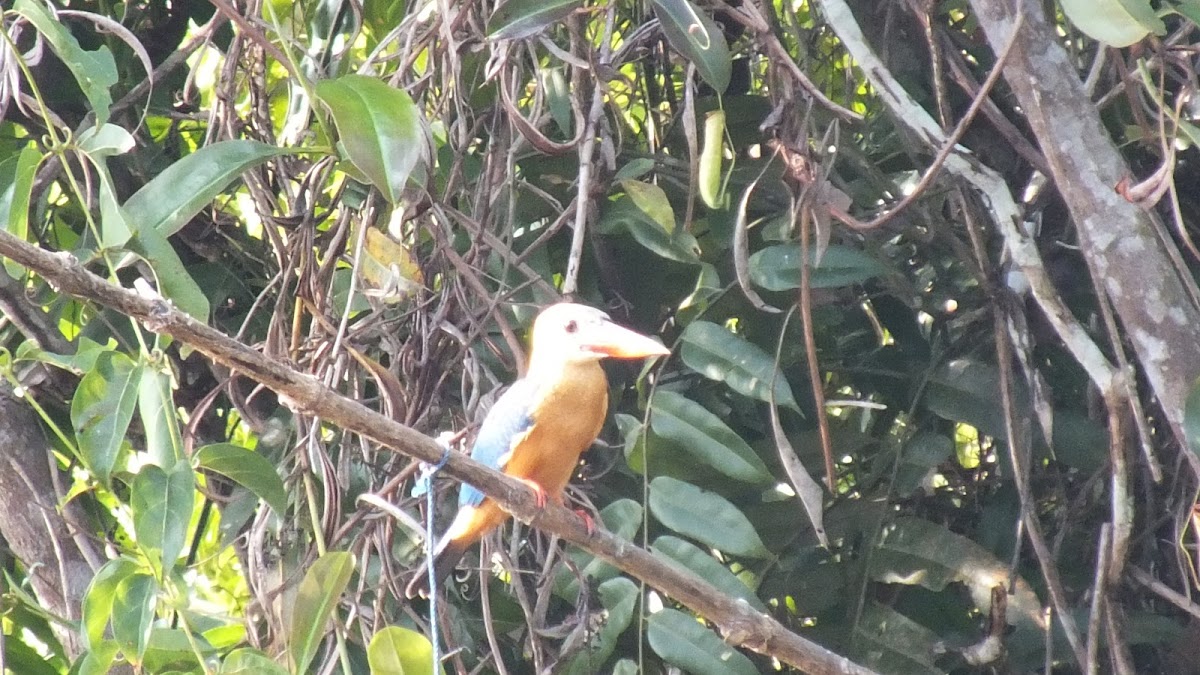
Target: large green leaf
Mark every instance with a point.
(777, 268)
(183, 189)
(162, 509)
(99, 597)
(968, 391)
(703, 435)
(706, 567)
(683, 641)
(102, 409)
(1118, 23)
(704, 516)
(380, 127)
(918, 552)
(719, 354)
(16, 185)
(618, 597)
(175, 282)
(316, 599)
(651, 200)
(400, 651)
(133, 614)
(698, 38)
(517, 19)
(246, 468)
(95, 71)
(624, 214)
(160, 421)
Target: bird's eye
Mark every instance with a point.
(572, 326)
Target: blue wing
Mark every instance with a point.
(505, 424)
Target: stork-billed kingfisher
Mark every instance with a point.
(536, 431)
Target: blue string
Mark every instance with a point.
(425, 484)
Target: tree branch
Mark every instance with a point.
(740, 623)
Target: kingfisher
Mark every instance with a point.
(538, 429)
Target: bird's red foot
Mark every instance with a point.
(539, 493)
(588, 522)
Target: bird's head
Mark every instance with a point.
(570, 333)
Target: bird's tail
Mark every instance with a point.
(445, 558)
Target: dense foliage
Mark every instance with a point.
(869, 428)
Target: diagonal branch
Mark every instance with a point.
(740, 623)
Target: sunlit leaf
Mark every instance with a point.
(133, 614)
(704, 516)
(624, 214)
(160, 421)
(683, 641)
(710, 160)
(703, 435)
(380, 128)
(698, 38)
(246, 468)
(777, 268)
(99, 597)
(388, 269)
(105, 140)
(16, 185)
(719, 354)
(1118, 23)
(162, 502)
(400, 651)
(316, 600)
(706, 567)
(652, 201)
(102, 409)
(517, 19)
(175, 282)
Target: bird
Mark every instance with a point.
(537, 430)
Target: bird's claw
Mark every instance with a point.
(588, 522)
(539, 493)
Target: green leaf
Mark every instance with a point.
(704, 516)
(98, 659)
(133, 614)
(706, 567)
(652, 201)
(710, 160)
(517, 19)
(162, 509)
(698, 38)
(624, 214)
(115, 227)
(316, 599)
(99, 598)
(703, 435)
(16, 185)
(558, 98)
(777, 268)
(918, 552)
(160, 421)
(183, 189)
(105, 140)
(1118, 23)
(95, 71)
(890, 642)
(380, 129)
(248, 661)
(963, 390)
(102, 409)
(683, 641)
(400, 651)
(248, 469)
(623, 518)
(720, 354)
(922, 455)
(618, 597)
(1191, 417)
(174, 281)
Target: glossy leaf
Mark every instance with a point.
(174, 280)
(105, 140)
(652, 201)
(115, 227)
(246, 468)
(703, 435)
(102, 409)
(99, 597)
(720, 354)
(380, 129)
(316, 600)
(698, 38)
(400, 651)
(710, 160)
(704, 516)
(160, 421)
(517, 19)
(619, 597)
(1117, 23)
(706, 567)
(172, 198)
(16, 183)
(94, 70)
(683, 641)
(133, 614)
(777, 268)
(624, 214)
(162, 502)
